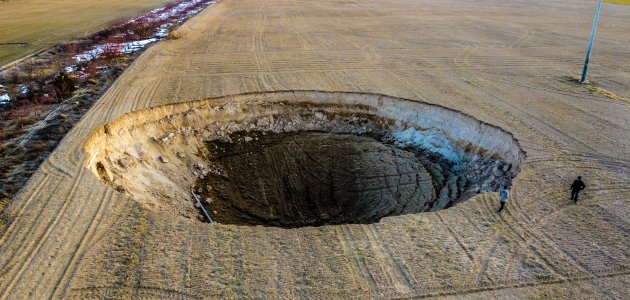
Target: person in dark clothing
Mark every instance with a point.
(504, 193)
(577, 186)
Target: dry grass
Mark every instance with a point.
(596, 89)
(44, 23)
(603, 92)
(175, 35)
(72, 237)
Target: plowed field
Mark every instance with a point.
(506, 63)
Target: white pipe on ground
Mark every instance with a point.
(205, 213)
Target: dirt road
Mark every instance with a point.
(505, 63)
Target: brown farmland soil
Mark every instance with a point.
(506, 63)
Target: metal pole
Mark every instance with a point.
(205, 213)
(590, 43)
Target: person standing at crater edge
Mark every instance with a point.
(577, 186)
(504, 193)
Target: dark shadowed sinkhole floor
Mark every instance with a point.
(316, 178)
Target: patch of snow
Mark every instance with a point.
(131, 47)
(126, 48)
(163, 31)
(69, 69)
(90, 54)
(427, 140)
(161, 14)
(5, 99)
(24, 88)
(158, 14)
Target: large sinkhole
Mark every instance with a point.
(301, 158)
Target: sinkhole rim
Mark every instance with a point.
(145, 129)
